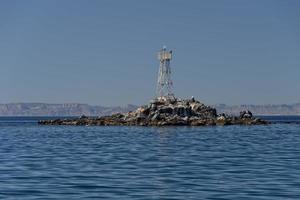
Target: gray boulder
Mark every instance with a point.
(246, 114)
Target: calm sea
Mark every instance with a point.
(232, 162)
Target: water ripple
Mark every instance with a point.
(236, 162)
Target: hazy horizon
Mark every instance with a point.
(104, 52)
(129, 104)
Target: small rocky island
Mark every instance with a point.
(164, 112)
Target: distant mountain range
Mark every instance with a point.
(68, 109)
(282, 109)
(75, 109)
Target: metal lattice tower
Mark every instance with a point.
(164, 83)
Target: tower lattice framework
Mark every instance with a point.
(164, 81)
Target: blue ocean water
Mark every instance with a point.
(231, 162)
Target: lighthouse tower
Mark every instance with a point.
(164, 90)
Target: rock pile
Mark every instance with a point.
(164, 112)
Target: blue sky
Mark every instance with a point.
(104, 52)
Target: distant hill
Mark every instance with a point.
(69, 109)
(75, 109)
(283, 109)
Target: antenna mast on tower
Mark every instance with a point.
(164, 82)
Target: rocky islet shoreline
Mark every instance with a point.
(164, 112)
